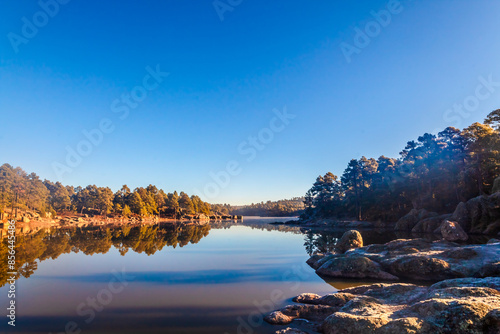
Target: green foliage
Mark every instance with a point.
(28, 192)
(435, 172)
(281, 208)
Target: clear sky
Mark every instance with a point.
(350, 94)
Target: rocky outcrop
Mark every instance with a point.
(452, 231)
(349, 240)
(412, 259)
(480, 215)
(456, 306)
(408, 222)
(429, 225)
(354, 267)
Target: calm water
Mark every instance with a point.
(215, 280)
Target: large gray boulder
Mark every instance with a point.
(460, 306)
(415, 259)
(354, 267)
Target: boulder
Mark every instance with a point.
(354, 267)
(429, 225)
(306, 298)
(408, 222)
(414, 259)
(461, 216)
(452, 306)
(291, 312)
(349, 240)
(452, 231)
(421, 268)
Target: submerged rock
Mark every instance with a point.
(453, 306)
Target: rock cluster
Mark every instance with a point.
(458, 306)
(480, 215)
(413, 259)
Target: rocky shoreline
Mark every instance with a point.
(479, 215)
(465, 296)
(26, 226)
(458, 306)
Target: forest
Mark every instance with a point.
(281, 208)
(435, 172)
(24, 191)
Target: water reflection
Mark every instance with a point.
(185, 280)
(33, 248)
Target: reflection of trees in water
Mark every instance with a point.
(32, 249)
(319, 242)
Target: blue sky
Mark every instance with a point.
(225, 79)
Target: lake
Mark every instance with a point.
(218, 278)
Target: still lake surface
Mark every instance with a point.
(217, 279)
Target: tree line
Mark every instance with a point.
(20, 190)
(435, 172)
(281, 208)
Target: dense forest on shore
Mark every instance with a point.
(281, 208)
(435, 172)
(20, 190)
(23, 191)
